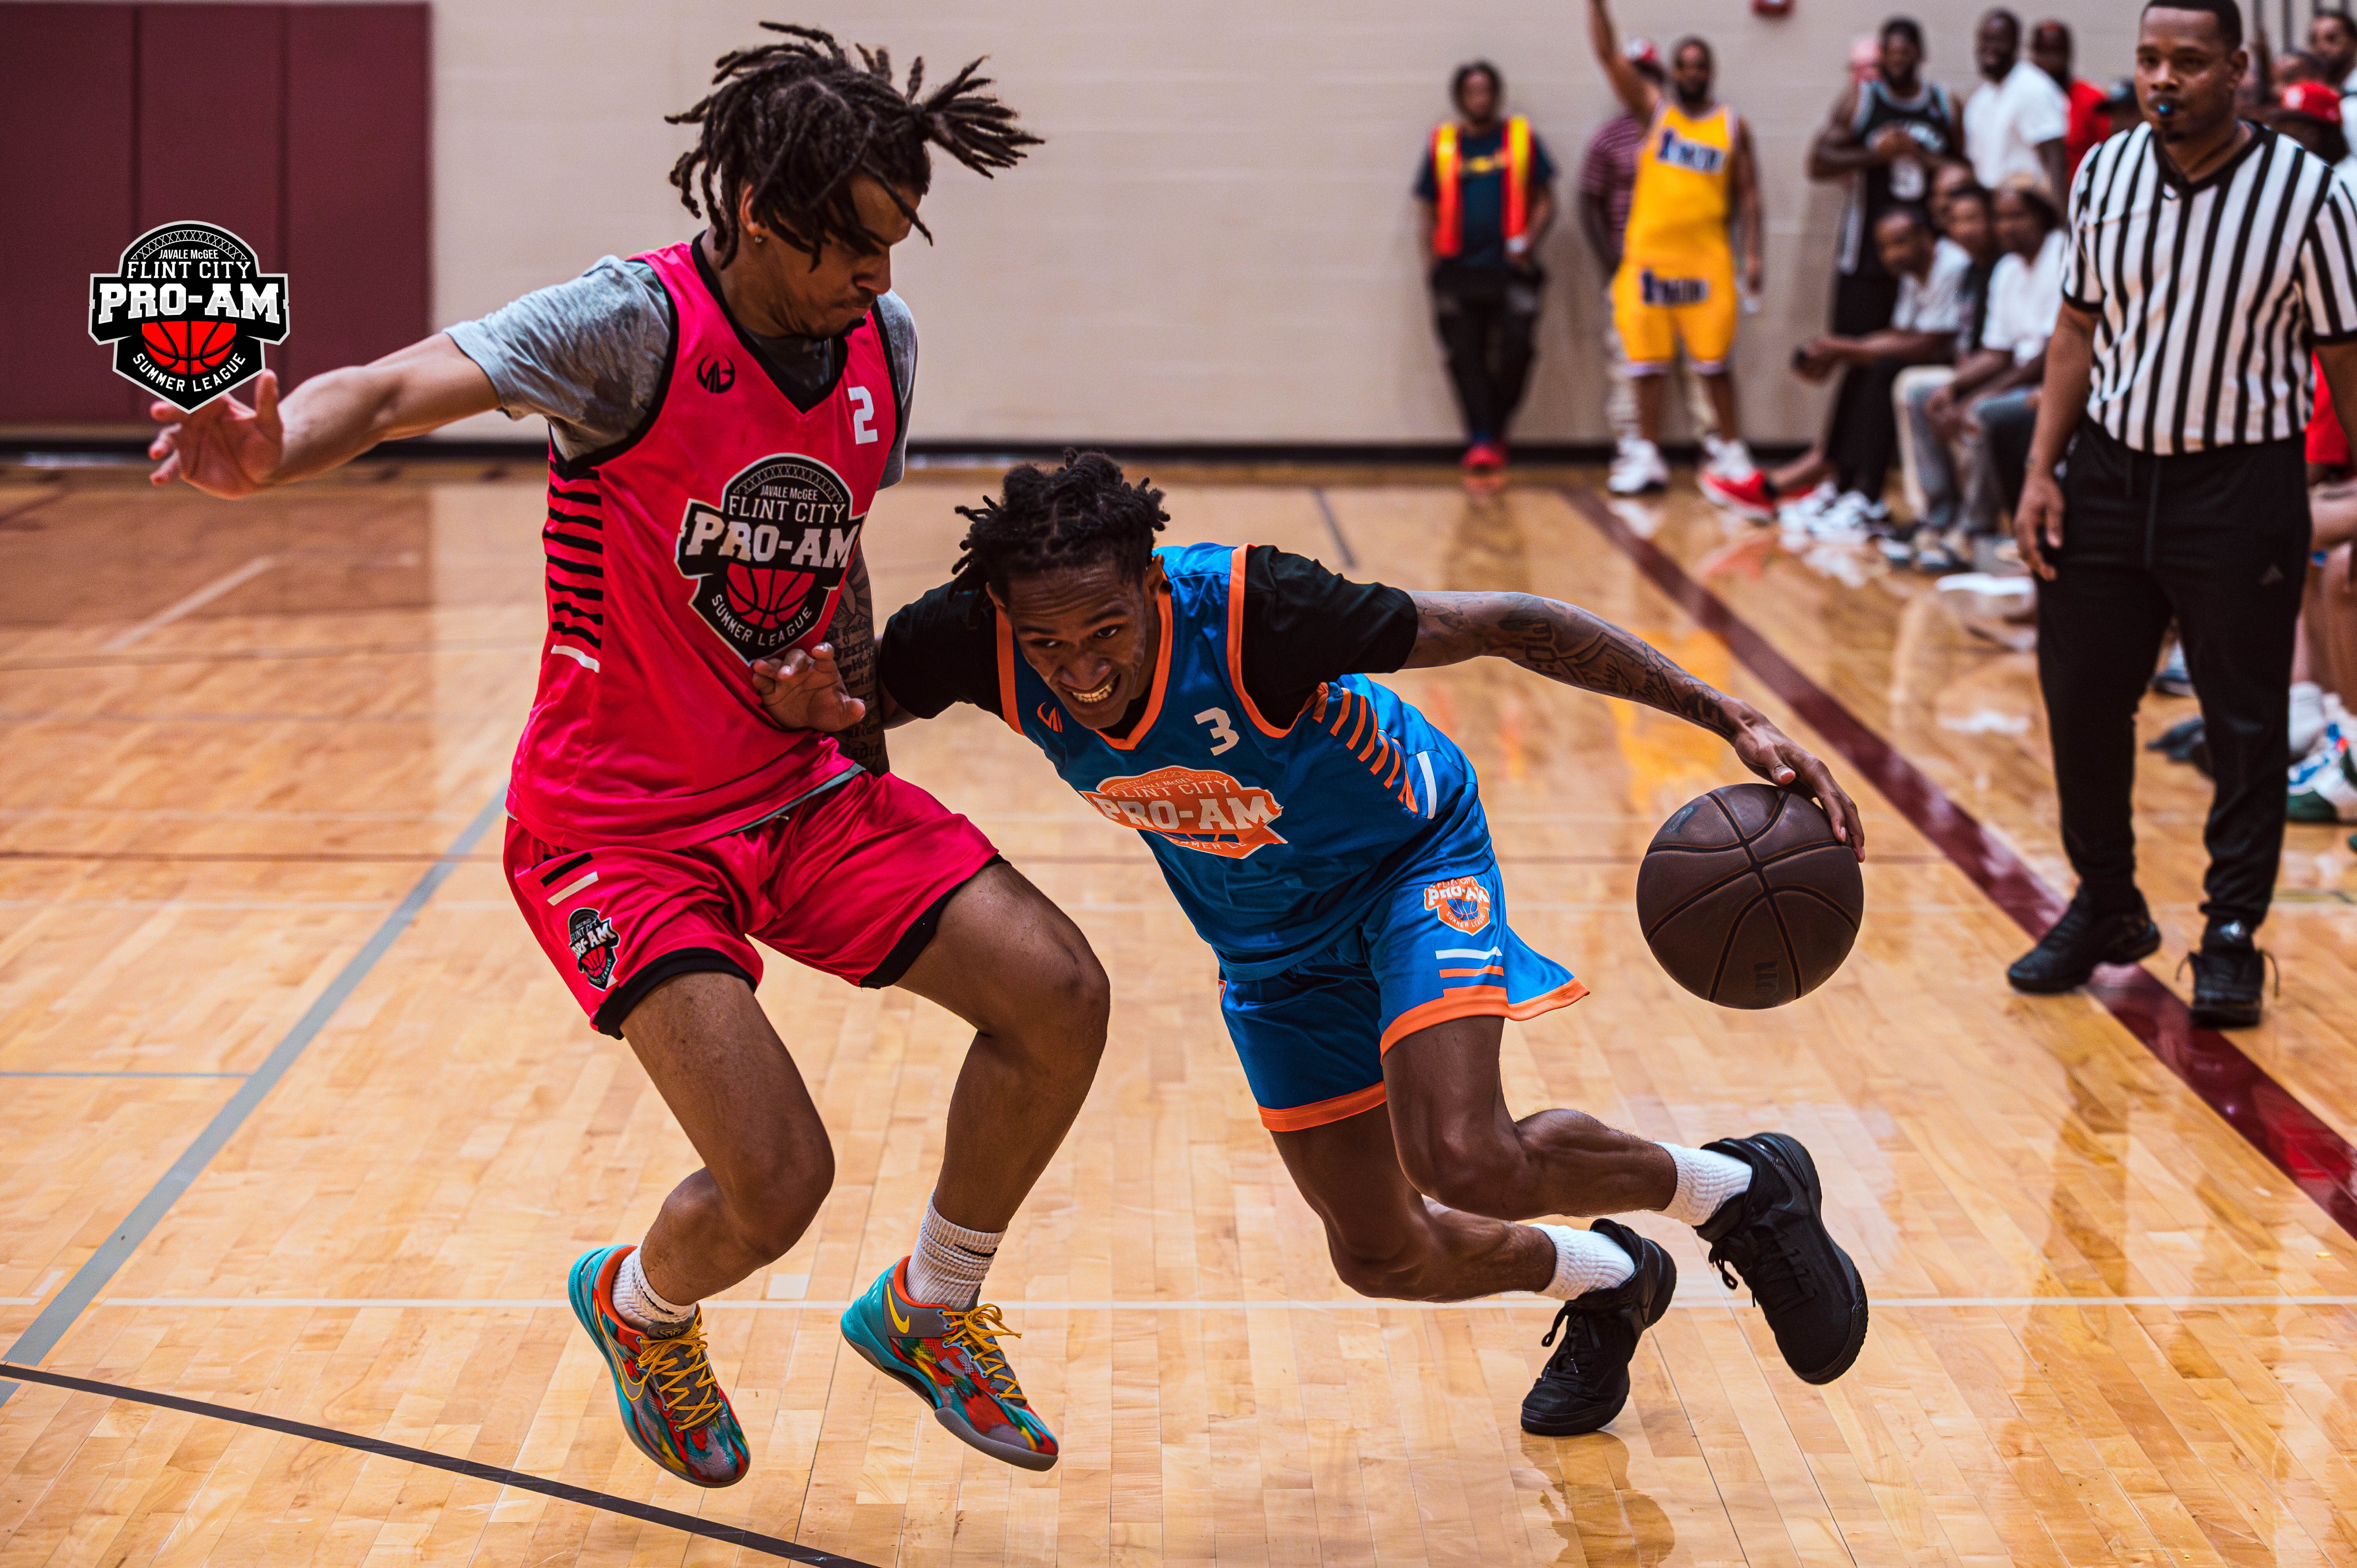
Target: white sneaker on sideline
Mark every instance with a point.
(1795, 515)
(1729, 459)
(1846, 518)
(1637, 467)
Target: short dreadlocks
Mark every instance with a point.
(1082, 513)
(794, 121)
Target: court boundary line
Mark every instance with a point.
(100, 1267)
(2272, 1120)
(473, 1469)
(1334, 527)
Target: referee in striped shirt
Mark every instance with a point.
(2208, 257)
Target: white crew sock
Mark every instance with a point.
(949, 1262)
(1583, 1261)
(1705, 1181)
(641, 1308)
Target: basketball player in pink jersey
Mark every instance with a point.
(722, 413)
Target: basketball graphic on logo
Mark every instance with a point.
(189, 347)
(765, 600)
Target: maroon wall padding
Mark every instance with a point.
(66, 162)
(358, 148)
(212, 121)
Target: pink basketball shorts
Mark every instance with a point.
(852, 882)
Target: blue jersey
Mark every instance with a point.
(1274, 836)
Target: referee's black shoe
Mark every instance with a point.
(2230, 971)
(1586, 1381)
(1774, 1236)
(2068, 953)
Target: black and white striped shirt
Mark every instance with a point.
(2207, 297)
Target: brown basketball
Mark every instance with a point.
(1747, 898)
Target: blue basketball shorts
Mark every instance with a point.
(1434, 946)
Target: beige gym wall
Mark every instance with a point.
(1216, 243)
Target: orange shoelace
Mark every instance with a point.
(681, 1374)
(975, 1331)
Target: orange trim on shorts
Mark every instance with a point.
(1236, 646)
(1007, 708)
(1323, 1112)
(1475, 1002)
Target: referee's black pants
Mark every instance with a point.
(2218, 540)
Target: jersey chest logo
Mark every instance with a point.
(1678, 152)
(767, 561)
(1193, 807)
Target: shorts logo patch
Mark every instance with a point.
(1653, 290)
(1193, 807)
(1462, 904)
(592, 937)
(768, 560)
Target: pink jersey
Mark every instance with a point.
(720, 535)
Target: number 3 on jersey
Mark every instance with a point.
(1221, 731)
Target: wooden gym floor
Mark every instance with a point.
(297, 1126)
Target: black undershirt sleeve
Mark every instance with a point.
(931, 656)
(1302, 625)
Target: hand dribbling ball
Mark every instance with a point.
(1747, 898)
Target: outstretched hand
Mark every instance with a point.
(804, 690)
(224, 449)
(1783, 762)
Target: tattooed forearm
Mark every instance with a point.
(1563, 643)
(854, 637)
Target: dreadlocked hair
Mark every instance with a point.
(794, 121)
(1082, 513)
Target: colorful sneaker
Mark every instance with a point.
(1485, 457)
(1749, 497)
(670, 1407)
(951, 1359)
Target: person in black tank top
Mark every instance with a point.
(1885, 137)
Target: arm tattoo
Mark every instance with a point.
(1562, 643)
(854, 637)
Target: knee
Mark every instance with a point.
(1073, 988)
(1395, 1273)
(768, 1210)
(1475, 1170)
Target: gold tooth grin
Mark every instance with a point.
(1096, 694)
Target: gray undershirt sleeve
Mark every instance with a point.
(588, 356)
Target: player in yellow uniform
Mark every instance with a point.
(1696, 201)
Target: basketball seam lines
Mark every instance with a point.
(1753, 868)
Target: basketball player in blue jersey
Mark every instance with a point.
(1330, 845)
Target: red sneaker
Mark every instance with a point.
(1485, 457)
(1747, 497)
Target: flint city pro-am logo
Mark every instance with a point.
(591, 937)
(769, 559)
(1194, 808)
(187, 312)
(1462, 904)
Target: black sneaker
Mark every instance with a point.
(1773, 1234)
(1586, 1381)
(2068, 953)
(2229, 974)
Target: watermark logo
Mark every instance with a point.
(187, 312)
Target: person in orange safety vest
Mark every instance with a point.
(1486, 191)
